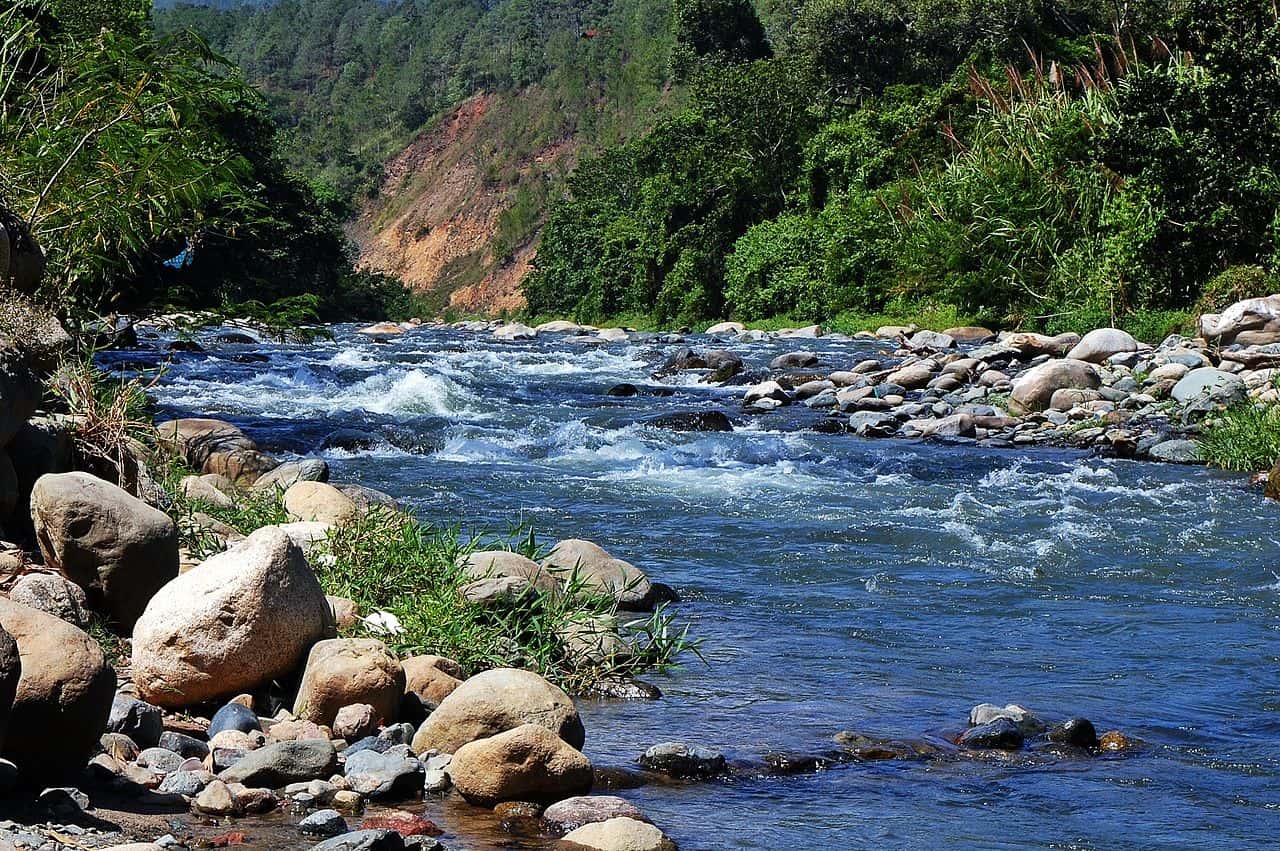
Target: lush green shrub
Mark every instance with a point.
(1245, 437)
(1235, 284)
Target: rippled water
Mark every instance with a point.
(841, 583)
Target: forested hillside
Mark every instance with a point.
(1049, 163)
(1012, 162)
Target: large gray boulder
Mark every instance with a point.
(283, 763)
(1033, 390)
(63, 696)
(494, 702)
(243, 618)
(529, 763)
(1209, 387)
(601, 573)
(120, 550)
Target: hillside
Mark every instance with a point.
(447, 124)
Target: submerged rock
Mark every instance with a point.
(1075, 731)
(693, 421)
(677, 759)
(1002, 733)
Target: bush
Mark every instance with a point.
(1235, 284)
(1245, 437)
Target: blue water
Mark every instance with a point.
(840, 583)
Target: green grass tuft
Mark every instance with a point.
(1245, 437)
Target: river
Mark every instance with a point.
(837, 583)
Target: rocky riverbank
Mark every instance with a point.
(1105, 391)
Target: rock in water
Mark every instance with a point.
(63, 696)
(345, 671)
(601, 573)
(282, 763)
(620, 834)
(529, 763)
(999, 734)
(112, 544)
(572, 813)
(364, 840)
(677, 759)
(494, 702)
(243, 619)
(693, 421)
(1075, 731)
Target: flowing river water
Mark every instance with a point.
(837, 583)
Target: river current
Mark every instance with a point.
(837, 583)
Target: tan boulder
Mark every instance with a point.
(431, 678)
(494, 702)
(970, 334)
(601, 573)
(244, 618)
(1033, 390)
(319, 502)
(204, 489)
(346, 613)
(10, 674)
(529, 763)
(63, 695)
(242, 466)
(500, 563)
(195, 439)
(618, 834)
(345, 671)
(113, 545)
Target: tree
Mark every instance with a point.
(715, 32)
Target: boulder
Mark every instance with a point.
(1002, 733)
(1209, 385)
(292, 472)
(1031, 345)
(355, 721)
(716, 421)
(364, 840)
(766, 390)
(1075, 731)
(500, 563)
(1252, 314)
(1101, 343)
(281, 763)
(346, 613)
(344, 671)
(1033, 390)
(431, 678)
(494, 702)
(513, 331)
(1027, 723)
(794, 360)
(528, 763)
(204, 489)
(43, 445)
(195, 439)
(726, 329)
(1177, 451)
(572, 813)
(242, 466)
(319, 502)
(561, 326)
(384, 775)
(113, 545)
(970, 334)
(382, 329)
(63, 695)
(913, 376)
(601, 573)
(931, 341)
(236, 717)
(244, 618)
(619, 834)
(53, 595)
